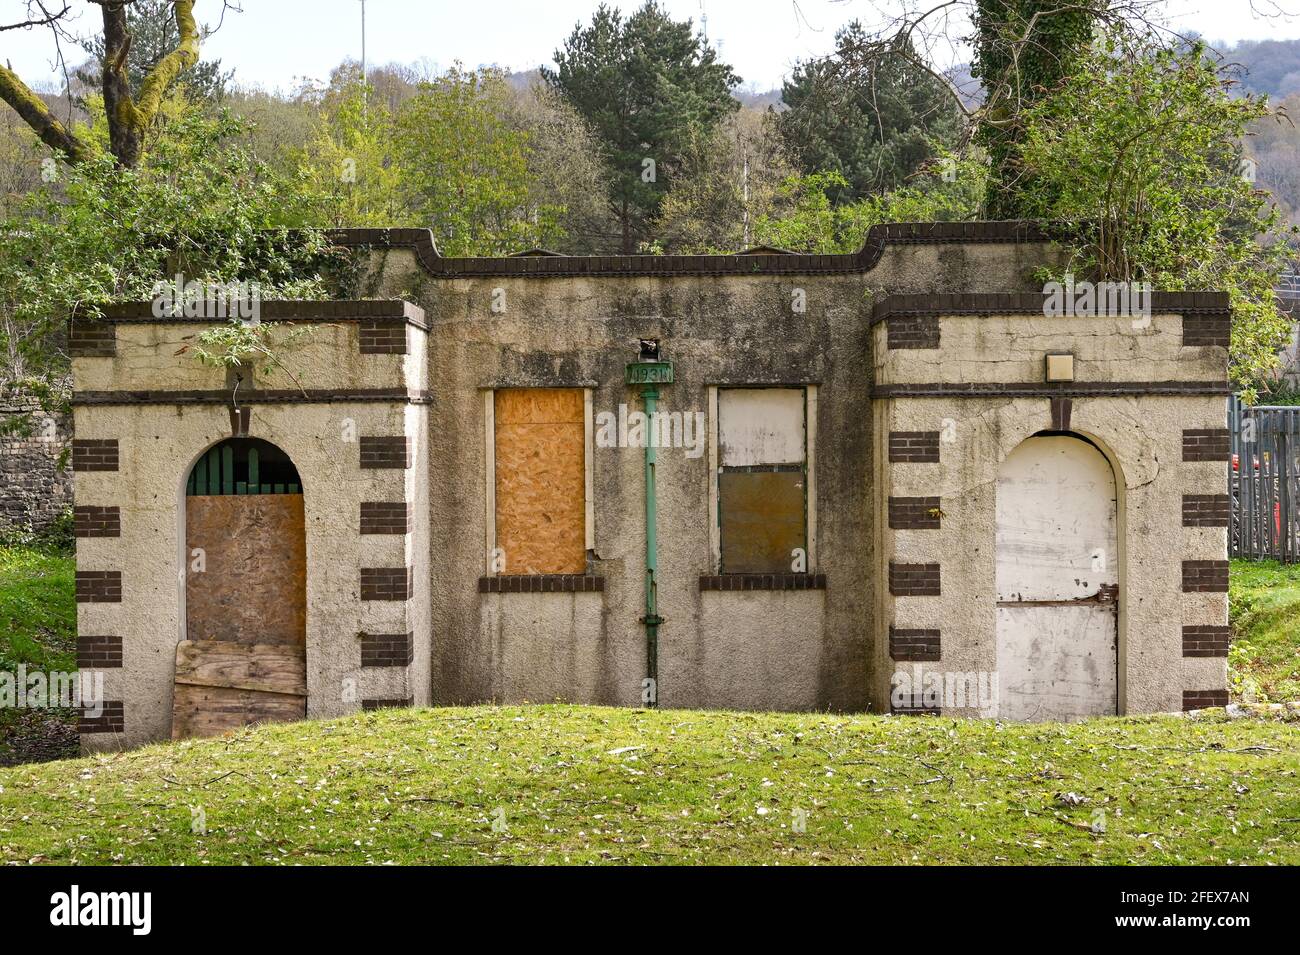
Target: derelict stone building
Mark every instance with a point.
(871, 475)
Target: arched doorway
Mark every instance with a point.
(244, 656)
(1057, 581)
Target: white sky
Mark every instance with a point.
(274, 43)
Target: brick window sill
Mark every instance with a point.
(541, 584)
(763, 582)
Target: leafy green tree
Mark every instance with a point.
(348, 166)
(1143, 145)
(465, 167)
(949, 190)
(199, 205)
(732, 178)
(870, 113)
(649, 86)
(1024, 51)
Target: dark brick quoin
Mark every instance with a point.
(763, 582)
(541, 584)
(914, 447)
(380, 337)
(98, 653)
(914, 513)
(913, 645)
(1205, 576)
(1200, 699)
(384, 451)
(99, 586)
(384, 517)
(88, 338)
(1207, 330)
(389, 704)
(912, 331)
(1206, 641)
(1206, 510)
(112, 719)
(387, 583)
(914, 580)
(91, 521)
(94, 454)
(387, 649)
(1206, 444)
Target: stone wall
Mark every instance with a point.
(34, 489)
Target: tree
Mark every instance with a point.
(1275, 148)
(349, 165)
(154, 34)
(732, 178)
(128, 115)
(648, 87)
(1143, 145)
(465, 168)
(1024, 51)
(199, 204)
(566, 172)
(870, 113)
(949, 191)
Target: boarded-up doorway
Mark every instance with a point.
(244, 658)
(1057, 581)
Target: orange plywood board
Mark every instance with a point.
(541, 480)
(253, 585)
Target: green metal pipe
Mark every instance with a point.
(648, 374)
(650, 395)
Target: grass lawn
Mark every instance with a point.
(38, 628)
(1264, 601)
(576, 784)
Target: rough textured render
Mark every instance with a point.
(395, 406)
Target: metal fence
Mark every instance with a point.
(1264, 481)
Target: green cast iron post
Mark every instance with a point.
(649, 375)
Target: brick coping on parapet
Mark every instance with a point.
(1031, 303)
(537, 265)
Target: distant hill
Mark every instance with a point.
(1267, 66)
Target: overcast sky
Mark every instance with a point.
(275, 43)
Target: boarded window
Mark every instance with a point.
(762, 479)
(541, 505)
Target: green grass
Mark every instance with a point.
(599, 785)
(38, 629)
(1264, 602)
(38, 614)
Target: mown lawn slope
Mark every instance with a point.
(576, 784)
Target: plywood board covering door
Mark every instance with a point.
(244, 659)
(1057, 582)
(540, 452)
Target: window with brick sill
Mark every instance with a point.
(763, 490)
